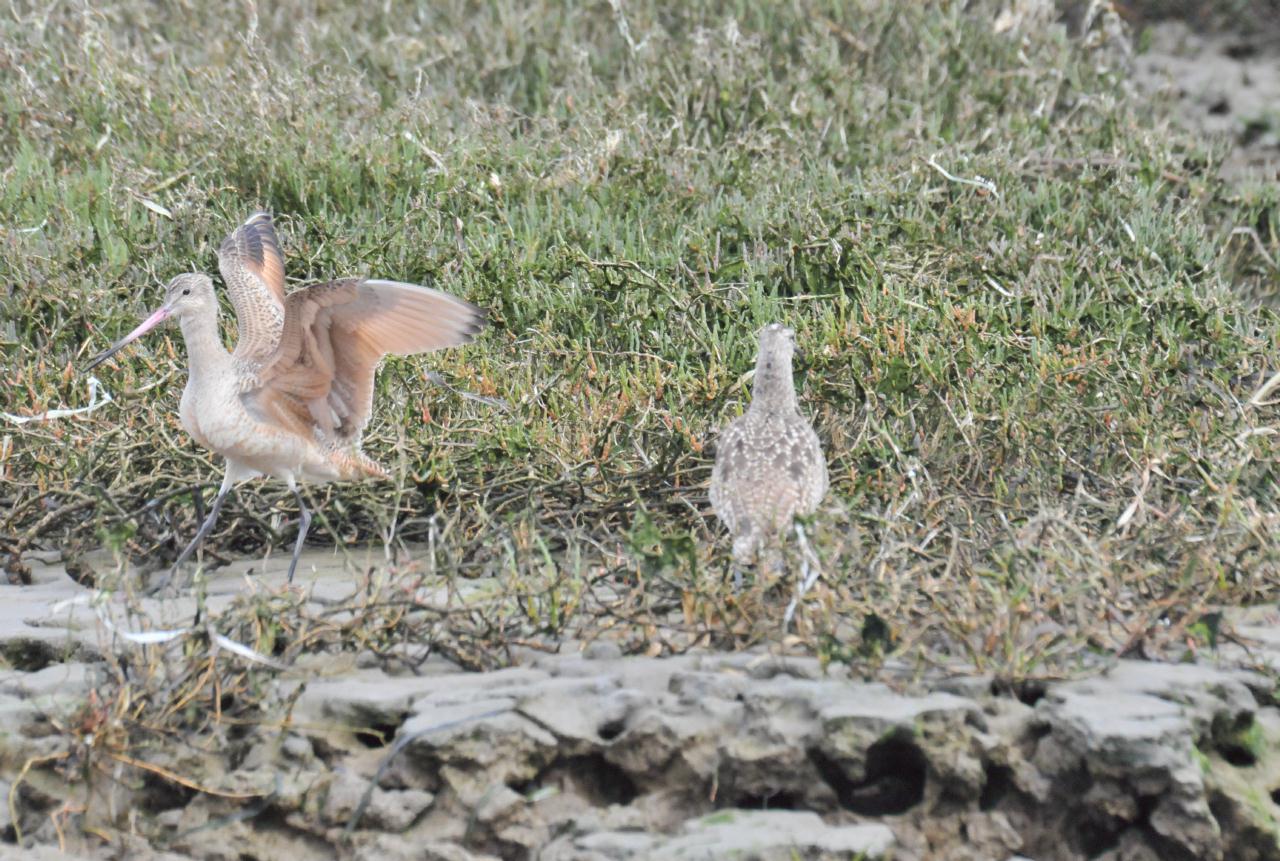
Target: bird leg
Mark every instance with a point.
(234, 474)
(744, 551)
(809, 574)
(807, 558)
(304, 523)
(205, 528)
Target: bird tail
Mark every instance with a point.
(355, 465)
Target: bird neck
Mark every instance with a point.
(773, 388)
(205, 352)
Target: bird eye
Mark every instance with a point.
(186, 292)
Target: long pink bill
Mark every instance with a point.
(158, 317)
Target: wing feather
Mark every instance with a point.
(253, 269)
(335, 334)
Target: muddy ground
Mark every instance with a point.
(1224, 83)
(578, 752)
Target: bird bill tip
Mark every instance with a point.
(99, 359)
(155, 319)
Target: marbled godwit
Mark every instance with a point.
(293, 399)
(769, 463)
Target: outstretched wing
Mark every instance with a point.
(253, 269)
(335, 335)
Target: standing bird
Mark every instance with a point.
(293, 399)
(769, 463)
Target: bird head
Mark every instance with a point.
(186, 294)
(777, 346)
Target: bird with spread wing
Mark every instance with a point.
(293, 399)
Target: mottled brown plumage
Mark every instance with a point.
(252, 267)
(769, 464)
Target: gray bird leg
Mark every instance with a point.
(744, 550)
(809, 574)
(229, 479)
(304, 523)
(205, 528)
(809, 562)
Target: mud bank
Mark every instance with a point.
(589, 755)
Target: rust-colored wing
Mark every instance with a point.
(335, 335)
(253, 269)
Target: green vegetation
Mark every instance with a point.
(1033, 390)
